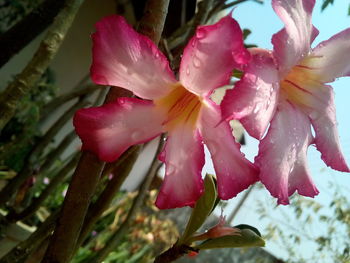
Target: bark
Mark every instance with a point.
(24, 81)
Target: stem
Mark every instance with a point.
(23, 82)
(36, 203)
(125, 226)
(107, 196)
(20, 35)
(200, 18)
(152, 22)
(174, 253)
(25, 248)
(12, 186)
(239, 205)
(74, 208)
(55, 103)
(62, 244)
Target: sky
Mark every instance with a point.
(263, 23)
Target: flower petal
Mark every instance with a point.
(323, 119)
(253, 99)
(282, 154)
(331, 57)
(210, 56)
(110, 129)
(234, 172)
(122, 57)
(183, 155)
(293, 42)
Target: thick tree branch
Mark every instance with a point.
(124, 227)
(122, 170)
(65, 236)
(23, 82)
(22, 33)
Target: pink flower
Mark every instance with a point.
(287, 89)
(183, 109)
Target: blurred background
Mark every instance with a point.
(39, 142)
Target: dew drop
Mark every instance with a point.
(187, 70)
(256, 109)
(156, 55)
(136, 135)
(196, 62)
(200, 33)
(170, 169)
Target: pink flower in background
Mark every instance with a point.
(183, 109)
(287, 89)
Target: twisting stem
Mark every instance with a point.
(24, 81)
(124, 227)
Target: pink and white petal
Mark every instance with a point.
(234, 172)
(293, 42)
(183, 156)
(330, 59)
(253, 99)
(110, 129)
(211, 55)
(122, 57)
(323, 118)
(282, 154)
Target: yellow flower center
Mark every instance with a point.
(301, 82)
(182, 107)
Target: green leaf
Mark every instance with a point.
(247, 238)
(326, 3)
(201, 210)
(244, 226)
(246, 33)
(237, 74)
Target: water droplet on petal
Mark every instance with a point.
(156, 55)
(170, 169)
(196, 62)
(136, 135)
(188, 70)
(201, 33)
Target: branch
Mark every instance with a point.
(152, 22)
(62, 244)
(7, 192)
(125, 226)
(55, 103)
(37, 202)
(21, 34)
(74, 208)
(122, 170)
(23, 82)
(26, 247)
(174, 253)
